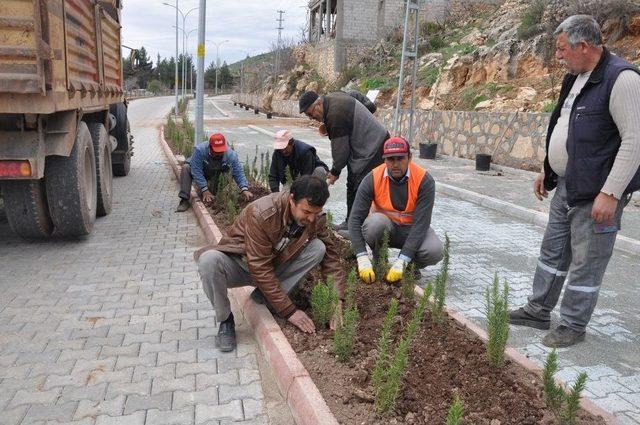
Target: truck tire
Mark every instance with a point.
(71, 187)
(121, 158)
(104, 173)
(25, 203)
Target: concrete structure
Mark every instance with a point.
(340, 30)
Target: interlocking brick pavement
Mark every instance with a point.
(115, 328)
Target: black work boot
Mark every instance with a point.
(521, 318)
(183, 205)
(563, 336)
(226, 339)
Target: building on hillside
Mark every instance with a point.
(339, 30)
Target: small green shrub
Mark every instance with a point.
(456, 412)
(570, 411)
(373, 83)
(428, 28)
(436, 42)
(409, 281)
(531, 24)
(344, 338)
(384, 342)
(324, 299)
(428, 76)
(382, 262)
(497, 314)
(390, 382)
(437, 308)
(553, 394)
(329, 220)
(288, 176)
(549, 107)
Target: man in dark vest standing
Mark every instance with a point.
(593, 161)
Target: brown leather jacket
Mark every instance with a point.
(255, 235)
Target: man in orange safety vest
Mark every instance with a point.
(396, 196)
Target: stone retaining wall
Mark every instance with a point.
(515, 139)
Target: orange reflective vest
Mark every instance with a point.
(382, 198)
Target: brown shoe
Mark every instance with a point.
(563, 336)
(183, 205)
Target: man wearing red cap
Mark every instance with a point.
(300, 157)
(208, 160)
(400, 195)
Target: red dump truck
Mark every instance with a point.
(64, 131)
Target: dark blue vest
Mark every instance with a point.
(593, 140)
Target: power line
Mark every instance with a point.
(280, 20)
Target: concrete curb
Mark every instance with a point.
(519, 358)
(303, 397)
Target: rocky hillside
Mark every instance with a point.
(483, 57)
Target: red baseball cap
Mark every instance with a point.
(395, 146)
(217, 143)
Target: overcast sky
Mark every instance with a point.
(249, 25)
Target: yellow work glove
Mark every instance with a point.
(365, 269)
(396, 271)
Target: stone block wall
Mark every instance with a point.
(322, 57)
(514, 139)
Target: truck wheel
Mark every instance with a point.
(25, 203)
(71, 187)
(121, 131)
(102, 151)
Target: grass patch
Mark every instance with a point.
(531, 24)
(428, 76)
(549, 106)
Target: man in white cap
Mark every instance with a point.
(300, 157)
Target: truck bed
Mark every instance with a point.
(58, 55)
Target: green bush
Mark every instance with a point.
(428, 28)
(428, 76)
(553, 394)
(344, 338)
(382, 262)
(456, 411)
(436, 42)
(384, 342)
(437, 308)
(497, 314)
(392, 368)
(373, 83)
(409, 281)
(549, 107)
(569, 414)
(324, 299)
(531, 24)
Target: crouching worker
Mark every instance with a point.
(208, 160)
(300, 157)
(400, 196)
(275, 241)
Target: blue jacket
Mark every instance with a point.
(201, 157)
(593, 139)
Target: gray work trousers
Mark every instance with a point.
(220, 271)
(210, 173)
(576, 249)
(428, 254)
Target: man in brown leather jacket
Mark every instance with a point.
(275, 241)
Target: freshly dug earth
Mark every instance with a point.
(445, 359)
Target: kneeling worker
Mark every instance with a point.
(400, 195)
(300, 157)
(208, 160)
(273, 243)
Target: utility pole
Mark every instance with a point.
(200, 76)
(280, 20)
(176, 79)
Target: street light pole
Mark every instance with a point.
(200, 76)
(218, 61)
(183, 67)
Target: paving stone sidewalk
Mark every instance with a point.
(115, 329)
(485, 241)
